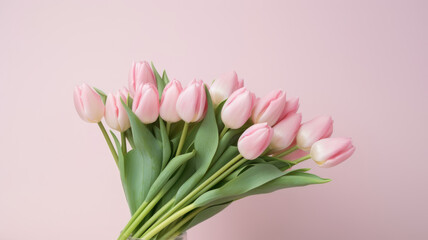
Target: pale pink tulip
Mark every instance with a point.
(285, 131)
(146, 103)
(291, 106)
(314, 130)
(299, 153)
(140, 74)
(224, 86)
(192, 102)
(269, 108)
(237, 109)
(115, 114)
(88, 103)
(254, 141)
(331, 151)
(168, 110)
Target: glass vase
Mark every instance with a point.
(183, 236)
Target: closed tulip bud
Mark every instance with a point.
(237, 109)
(224, 86)
(254, 141)
(314, 130)
(115, 114)
(140, 74)
(88, 103)
(331, 151)
(146, 103)
(192, 102)
(285, 131)
(168, 110)
(291, 106)
(269, 108)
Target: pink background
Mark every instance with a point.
(364, 62)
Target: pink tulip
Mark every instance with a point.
(269, 108)
(331, 151)
(115, 114)
(314, 130)
(295, 155)
(291, 106)
(285, 131)
(224, 86)
(140, 74)
(254, 141)
(237, 109)
(88, 103)
(170, 95)
(146, 103)
(192, 102)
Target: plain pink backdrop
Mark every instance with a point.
(364, 62)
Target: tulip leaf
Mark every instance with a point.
(166, 145)
(121, 165)
(226, 141)
(165, 77)
(102, 94)
(229, 154)
(218, 109)
(205, 214)
(252, 178)
(160, 82)
(206, 141)
(170, 169)
(149, 151)
(295, 178)
(278, 162)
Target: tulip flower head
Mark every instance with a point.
(88, 103)
(331, 151)
(314, 130)
(285, 131)
(115, 115)
(269, 108)
(238, 108)
(146, 103)
(291, 106)
(168, 110)
(224, 86)
(140, 74)
(254, 141)
(192, 102)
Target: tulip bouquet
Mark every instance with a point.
(186, 154)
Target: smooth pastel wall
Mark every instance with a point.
(364, 62)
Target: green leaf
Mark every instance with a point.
(278, 162)
(102, 94)
(166, 145)
(134, 165)
(206, 141)
(165, 77)
(230, 153)
(295, 178)
(149, 151)
(225, 142)
(205, 214)
(121, 165)
(218, 109)
(160, 82)
(252, 178)
(170, 169)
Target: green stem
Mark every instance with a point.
(168, 221)
(153, 218)
(286, 152)
(123, 139)
(108, 140)
(302, 159)
(127, 230)
(175, 230)
(224, 131)
(168, 127)
(211, 181)
(182, 138)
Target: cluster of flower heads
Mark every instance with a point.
(276, 123)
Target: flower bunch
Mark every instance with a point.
(184, 154)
